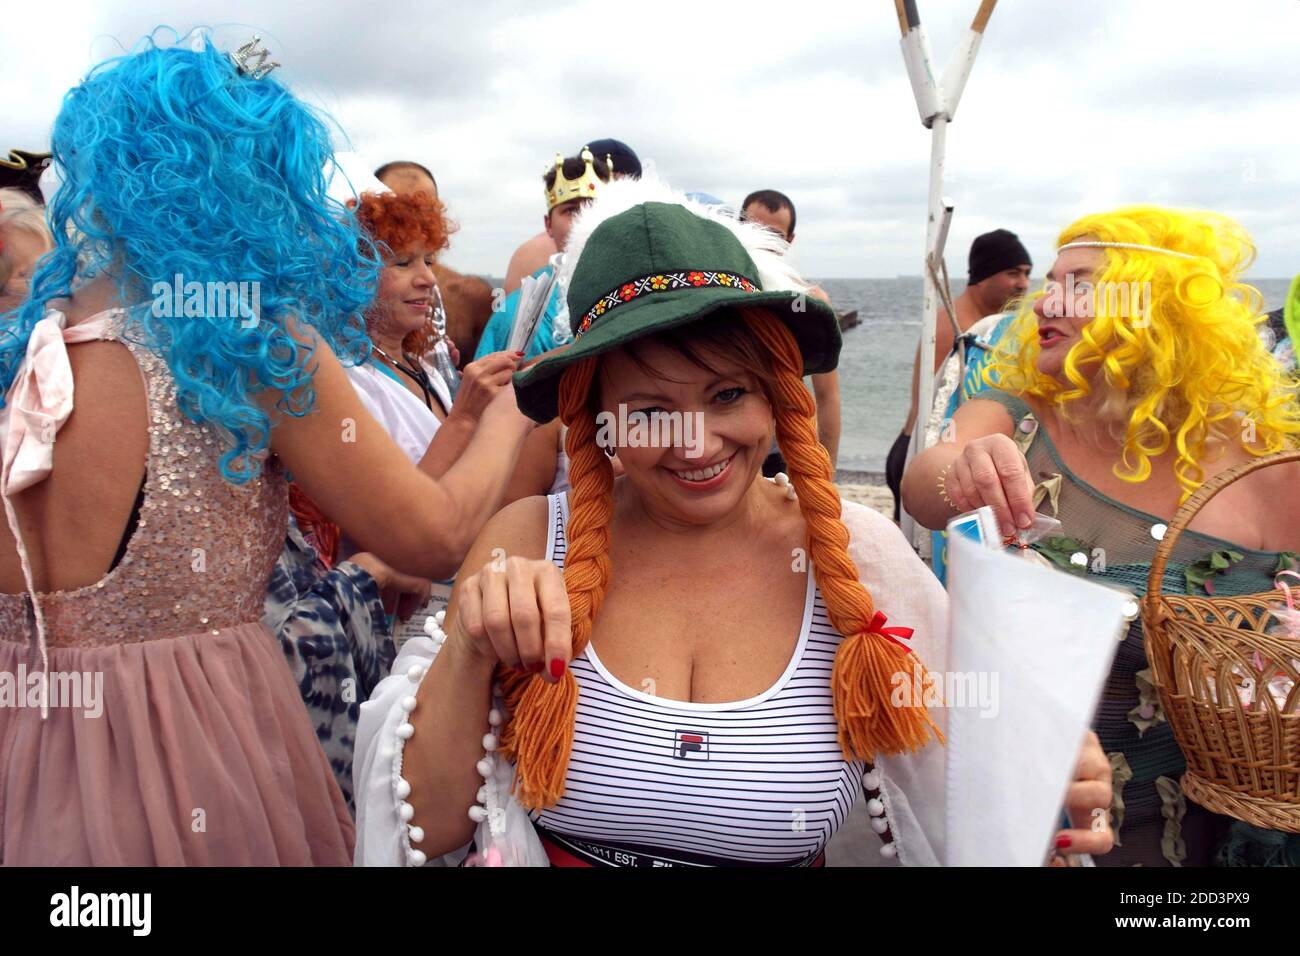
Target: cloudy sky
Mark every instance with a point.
(1072, 107)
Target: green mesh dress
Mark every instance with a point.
(1111, 542)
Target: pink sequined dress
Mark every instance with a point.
(202, 752)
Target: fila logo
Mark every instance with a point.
(690, 746)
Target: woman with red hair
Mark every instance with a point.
(691, 665)
(398, 383)
(333, 605)
(410, 230)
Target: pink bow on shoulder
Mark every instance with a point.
(40, 399)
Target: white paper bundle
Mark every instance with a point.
(534, 294)
(1042, 640)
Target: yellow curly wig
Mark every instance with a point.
(1181, 363)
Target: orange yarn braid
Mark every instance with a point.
(540, 733)
(867, 661)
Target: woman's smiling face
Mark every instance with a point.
(405, 290)
(699, 469)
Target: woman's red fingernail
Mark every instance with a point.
(557, 668)
(1062, 842)
(535, 668)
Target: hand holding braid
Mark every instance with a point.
(868, 658)
(540, 734)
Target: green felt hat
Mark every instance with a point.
(658, 265)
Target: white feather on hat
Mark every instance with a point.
(768, 250)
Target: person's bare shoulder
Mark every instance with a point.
(520, 528)
(527, 259)
(817, 292)
(1274, 488)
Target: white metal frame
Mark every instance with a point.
(936, 101)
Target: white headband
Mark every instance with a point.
(1125, 245)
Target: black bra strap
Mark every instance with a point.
(131, 524)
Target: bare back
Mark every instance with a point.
(73, 521)
(198, 554)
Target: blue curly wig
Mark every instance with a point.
(174, 163)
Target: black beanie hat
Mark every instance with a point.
(995, 251)
(626, 162)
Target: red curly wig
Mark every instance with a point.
(400, 222)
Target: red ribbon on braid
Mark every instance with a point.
(895, 634)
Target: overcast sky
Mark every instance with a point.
(1071, 108)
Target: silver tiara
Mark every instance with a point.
(244, 56)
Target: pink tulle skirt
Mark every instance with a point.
(202, 753)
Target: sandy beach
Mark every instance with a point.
(867, 488)
(873, 496)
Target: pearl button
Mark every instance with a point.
(875, 807)
(417, 835)
(408, 704)
(879, 824)
(889, 851)
(871, 780)
(416, 858)
(405, 731)
(494, 717)
(489, 742)
(405, 811)
(484, 767)
(415, 674)
(403, 788)
(477, 813)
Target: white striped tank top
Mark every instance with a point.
(757, 781)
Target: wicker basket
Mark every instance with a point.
(1243, 761)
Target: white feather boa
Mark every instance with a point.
(766, 248)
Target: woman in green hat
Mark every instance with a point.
(686, 691)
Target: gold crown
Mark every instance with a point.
(584, 187)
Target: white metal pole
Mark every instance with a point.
(936, 102)
(929, 308)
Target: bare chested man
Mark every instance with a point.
(998, 272)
